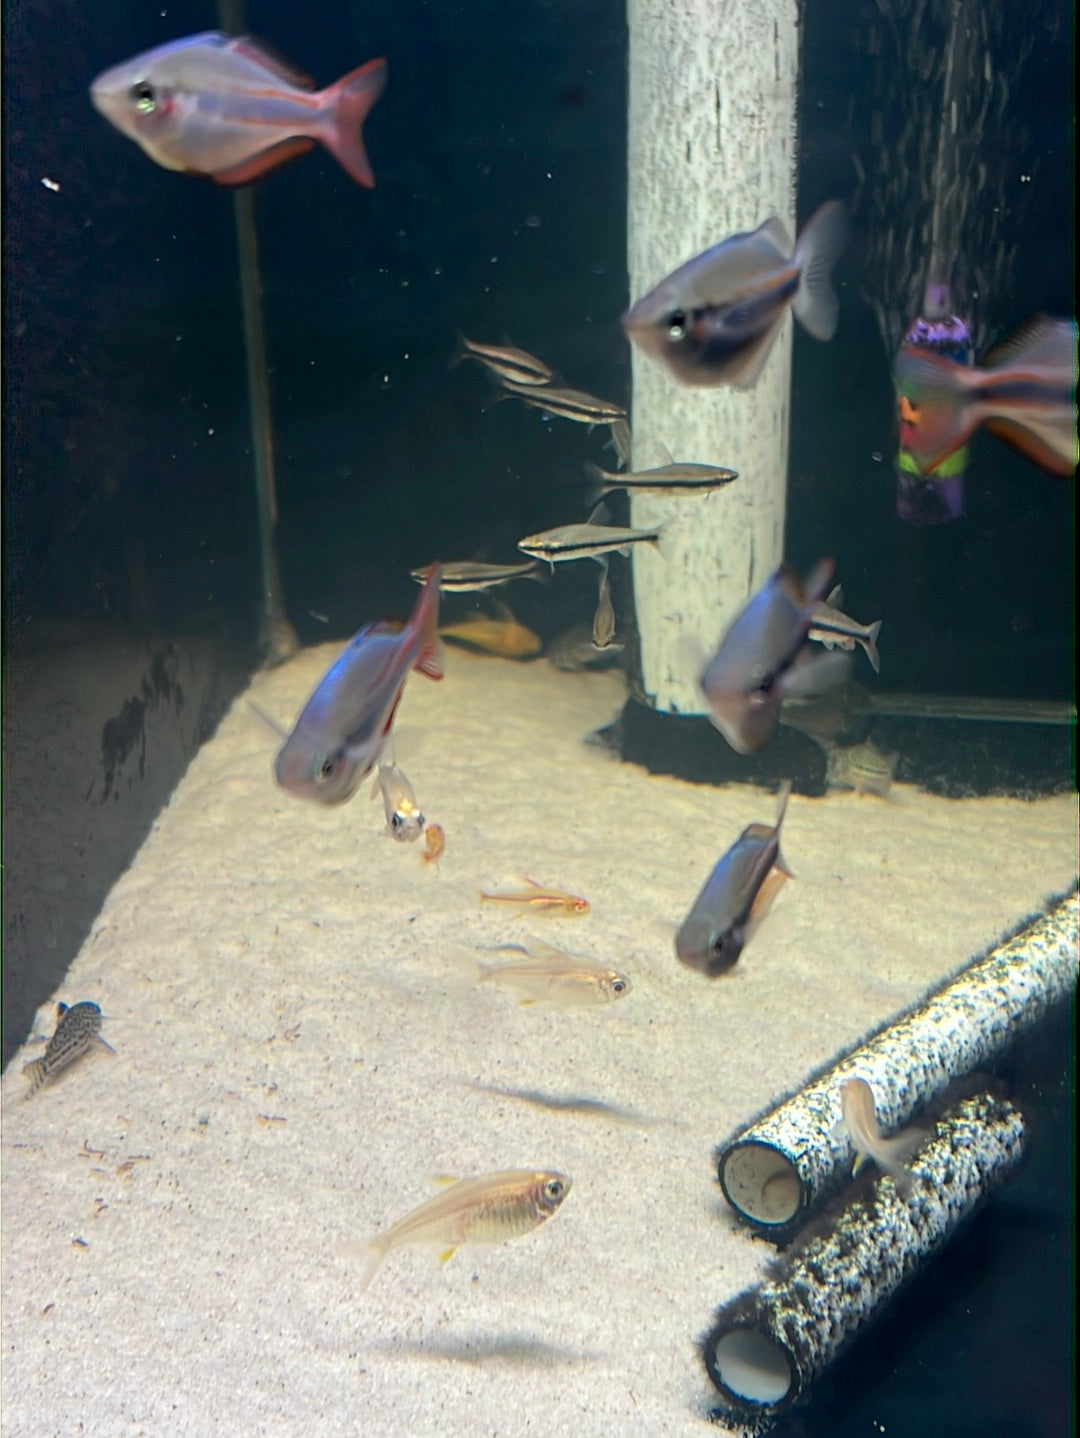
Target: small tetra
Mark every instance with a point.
(540, 900)
(79, 1027)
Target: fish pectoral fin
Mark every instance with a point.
(447, 1254)
(104, 1044)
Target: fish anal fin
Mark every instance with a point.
(262, 163)
(763, 900)
(447, 1254)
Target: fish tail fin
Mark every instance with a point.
(429, 659)
(870, 645)
(461, 351)
(1053, 450)
(816, 251)
(599, 483)
(34, 1072)
(372, 1253)
(348, 104)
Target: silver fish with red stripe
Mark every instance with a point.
(344, 726)
(227, 109)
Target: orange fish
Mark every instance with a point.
(435, 839)
(228, 110)
(541, 900)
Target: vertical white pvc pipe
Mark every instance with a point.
(711, 152)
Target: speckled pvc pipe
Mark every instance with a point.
(784, 1164)
(767, 1346)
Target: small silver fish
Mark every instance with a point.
(545, 975)
(489, 1209)
(585, 541)
(504, 362)
(764, 658)
(344, 726)
(679, 478)
(714, 320)
(572, 404)
(466, 576)
(837, 631)
(862, 767)
(226, 109)
(860, 1119)
(404, 820)
(620, 441)
(735, 898)
(78, 1029)
(603, 625)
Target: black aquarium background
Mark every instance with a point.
(131, 571)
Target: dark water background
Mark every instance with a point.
(498, 149)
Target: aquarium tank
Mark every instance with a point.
(538, 640)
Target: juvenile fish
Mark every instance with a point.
(585, 541)
(837, 631)
(434, 843)
(490, 1209)
(714, 320)
(862, 767)
(572, 404)
(680, 478)
(735, 899)
(544, 975)
(501, 635)
(860, 1119)
(540, 900)
(504, 362)
(1024, 392)
(573, 651)
(764, 658)
(465, 576)
(344, 726)
(404, 820)
(78, 1029)
(226, 109)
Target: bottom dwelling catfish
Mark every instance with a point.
(735, 899)
(344, 726)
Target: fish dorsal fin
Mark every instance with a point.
(600, 515)
(776, 233)
(1039, 341)
(835, 596)
(261, 53)
(669, 458)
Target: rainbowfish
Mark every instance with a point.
(714, 320)
(764, 658)
(489, 1209)
(861, 1121)
(545, 975)
(585, 541)
(404, 820)
(837, 631)
(226, 109)
(1024, 392)
(735, 899)
(542, 900)
(504, 362)
(343, 727)
(78, 1029)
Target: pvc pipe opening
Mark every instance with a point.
(761, 1183)
(750, 1368)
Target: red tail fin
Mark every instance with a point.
(348, 104)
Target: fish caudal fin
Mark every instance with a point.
(599, 483)
(372, 1255)
(870, 645)
(34, 1072)
(348, 104)
(816, 251)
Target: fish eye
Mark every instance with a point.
(676, 325)
(397, 822)
(142, 95)
(619, 986)
(325, 768)
(718, 945)
(554, 1188)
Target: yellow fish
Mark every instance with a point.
(488, 1209)
(536, 897)
(502, 636)
(545, 975)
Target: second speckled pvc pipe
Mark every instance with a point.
(783, 1165)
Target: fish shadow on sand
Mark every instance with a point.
(516, 1350)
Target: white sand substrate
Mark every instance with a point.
(301, 1046)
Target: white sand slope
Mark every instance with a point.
(301, 1046)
